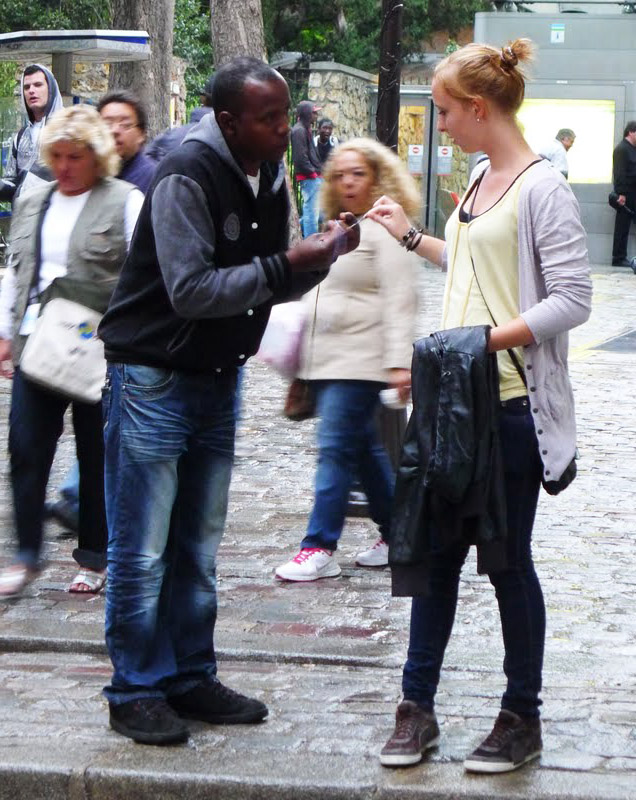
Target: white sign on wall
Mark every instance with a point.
(557, 33)
(414, 164)
(444, 160)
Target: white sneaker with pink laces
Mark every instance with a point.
(376, 556)
(309, 565)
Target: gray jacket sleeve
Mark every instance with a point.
(185, 239)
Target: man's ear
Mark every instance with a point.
(227, 123)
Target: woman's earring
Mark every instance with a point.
(478, 120)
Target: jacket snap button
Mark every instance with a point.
(528, 366)
(254, 225)
(250, 311)
(547, 472)
(535, 410)
(545, 452)
(539, 432)
(242, 355)
(533, 388)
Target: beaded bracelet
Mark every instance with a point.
(407, 237)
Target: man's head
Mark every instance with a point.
(251, 105)
(307, 113)
(566, 136)
(36, 92)
(630, 132)
(206, 92)
(325, 129)
(126, 118)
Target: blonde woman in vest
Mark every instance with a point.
(519, 224)
(71, 237)
(361, 343)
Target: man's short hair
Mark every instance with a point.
(630, 127)
(566, 133)
(130, 99)
(32, 69)
(324, 121)
(232, 77)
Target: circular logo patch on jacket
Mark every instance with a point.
(232, 227)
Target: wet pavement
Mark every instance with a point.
(326, 657)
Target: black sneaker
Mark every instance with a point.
(212, 702)
(512, 743)
(415, 731)
(148, 721)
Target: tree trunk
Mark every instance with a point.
(149, 80)
(237, 30)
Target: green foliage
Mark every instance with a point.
(192, 42)
(29, 15)
(7, 78)
(349, 30)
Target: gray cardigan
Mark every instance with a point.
(555, 294)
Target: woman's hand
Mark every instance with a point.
(400, 379)
(390, 214)
(6, 365)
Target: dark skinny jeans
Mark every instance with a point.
(517, 588)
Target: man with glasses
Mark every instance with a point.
(126, 118)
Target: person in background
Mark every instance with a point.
(127, 120)
(168, 140)
(324, 140)
(209, 257)
(65, 236)
(307, 166)
(556, 151)
(361, 344)
(40, 96)
(624, 176)
(517, 262)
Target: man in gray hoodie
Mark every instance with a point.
(41, 98)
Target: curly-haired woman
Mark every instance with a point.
(360, 343)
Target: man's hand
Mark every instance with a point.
(6, 365)
(621, 199)
(319, 251)
(400, 379)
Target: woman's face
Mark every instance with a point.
(353, 180)
(456, 118)
(74, 166)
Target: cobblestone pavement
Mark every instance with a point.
(327, 656)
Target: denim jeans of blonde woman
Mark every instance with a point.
(169, 444)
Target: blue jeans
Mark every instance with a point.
(36, 421)
(348, 446)
(169, 440)
(310, 189)
(517, 588)
(69, 490)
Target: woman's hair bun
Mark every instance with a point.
(514, 52)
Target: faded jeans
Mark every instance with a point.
(310, 189)
(169, 442)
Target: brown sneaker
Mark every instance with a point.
(415, 731)
(512, 743)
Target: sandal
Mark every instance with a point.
(14, 579)
(92, 578)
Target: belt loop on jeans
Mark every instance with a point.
(515, 402)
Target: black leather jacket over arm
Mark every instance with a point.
(450, 478)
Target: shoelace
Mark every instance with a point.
(380, 543)
(405, 726)
(497, 737)
(307, 552)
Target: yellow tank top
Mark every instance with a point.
(491, 239)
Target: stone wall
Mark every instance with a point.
(343, 93)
